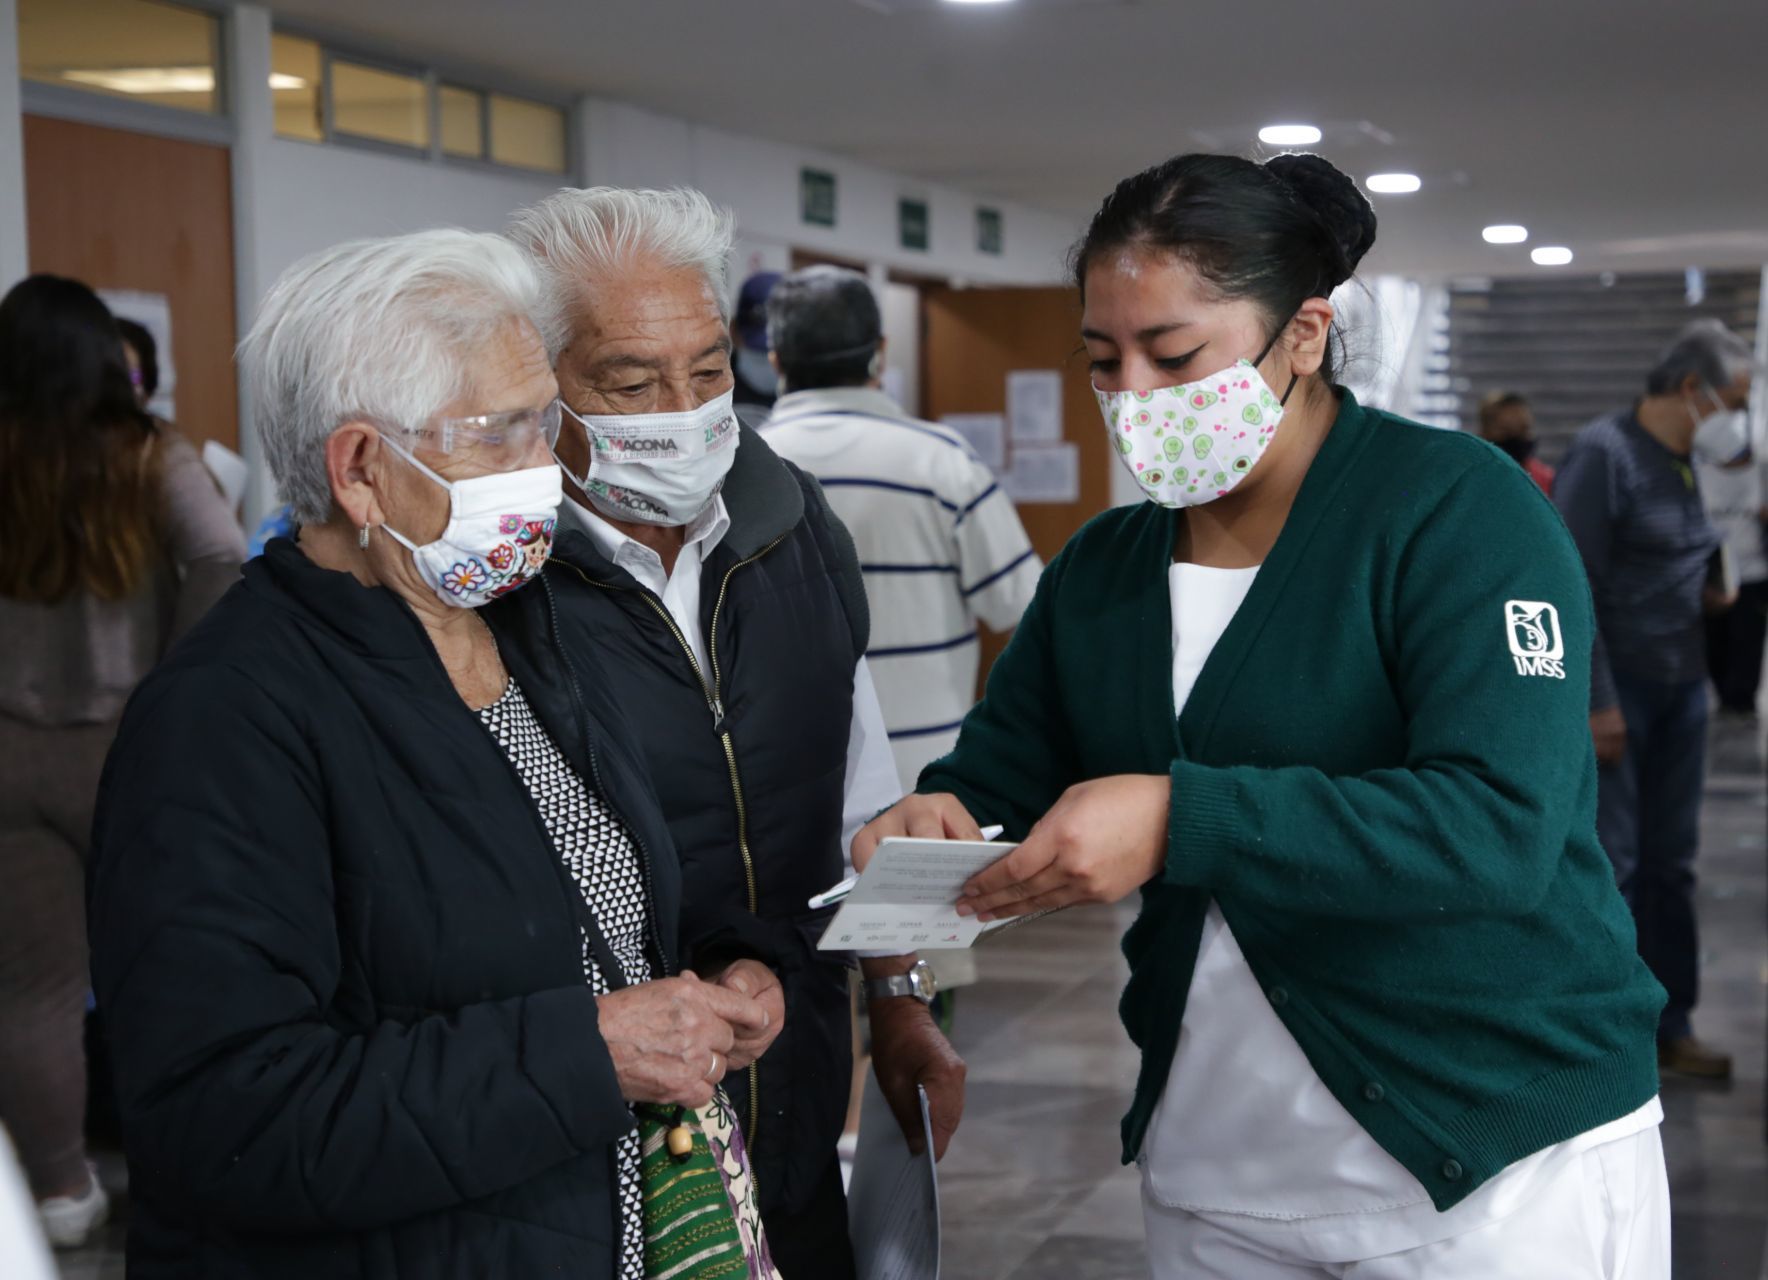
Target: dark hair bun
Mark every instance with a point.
(1336, 200)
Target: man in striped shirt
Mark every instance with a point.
(939, 543)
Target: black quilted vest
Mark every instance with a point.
(748, 758)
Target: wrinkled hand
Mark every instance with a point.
(761, 984)
(909, 1050)
(1100, 842)
(936, 817)
(671, 1039)
(1608, 729)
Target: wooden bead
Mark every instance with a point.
(681, 1142)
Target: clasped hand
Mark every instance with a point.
(673, 1040)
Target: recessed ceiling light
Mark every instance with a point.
(1505, 233)
(1551, 256)
(1289, 135)
(978, 1)
(1393, 184)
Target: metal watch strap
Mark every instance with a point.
(896, 985)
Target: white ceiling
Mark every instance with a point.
(1635, 131)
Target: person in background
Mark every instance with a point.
(116, 543)
(1506, 420)
(1628, 492)
(383, 906)
(1735, 490)
(729, 615)
(1390, 1017)
(939, 541)
(144, 359)
(757, 384)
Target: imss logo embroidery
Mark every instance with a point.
(1537, 646)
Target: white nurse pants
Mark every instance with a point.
(1605, 1217)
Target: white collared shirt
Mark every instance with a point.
(871, 783)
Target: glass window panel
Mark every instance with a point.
(136, 49)
(384, 105)
(294, 87)
(463, 121)
(529, 135)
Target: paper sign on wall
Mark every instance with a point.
(987, 434)
(153, 312)
(1034, 406)
(1044, 473)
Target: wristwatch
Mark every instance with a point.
(918, 982)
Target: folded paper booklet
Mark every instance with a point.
(907, 898)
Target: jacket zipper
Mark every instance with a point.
(714, 694)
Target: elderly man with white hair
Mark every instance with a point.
(1629, 494)
(383, 909)
(729, 615)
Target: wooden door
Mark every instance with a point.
(121, 210)
(974, 339)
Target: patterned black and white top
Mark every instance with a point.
(601, 857)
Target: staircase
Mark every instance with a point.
(1575, 346)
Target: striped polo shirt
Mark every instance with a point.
(940, 544)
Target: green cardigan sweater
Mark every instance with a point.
(1383, 776)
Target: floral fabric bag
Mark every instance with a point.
(702, 1216)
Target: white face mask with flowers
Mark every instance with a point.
(1191, 444)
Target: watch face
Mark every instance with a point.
(922, 980)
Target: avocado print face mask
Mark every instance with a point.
(1191, 444)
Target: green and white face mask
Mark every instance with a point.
(1193, 443)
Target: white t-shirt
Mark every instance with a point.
(1245, 1127)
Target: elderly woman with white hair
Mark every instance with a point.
(383, 908)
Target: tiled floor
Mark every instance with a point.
(1032, 1189)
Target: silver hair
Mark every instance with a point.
(1706, 349)
(580, 234)
(380, 331)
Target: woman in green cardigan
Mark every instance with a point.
(1324, 701)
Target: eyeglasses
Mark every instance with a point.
(501, 440)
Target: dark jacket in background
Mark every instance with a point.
(339, 957)
(750, 766)
(1634, 508)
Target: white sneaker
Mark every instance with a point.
(68, 1221)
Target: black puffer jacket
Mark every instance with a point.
(339, 959)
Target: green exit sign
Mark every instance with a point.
(988, 230)
(816, 197)
(912, 221)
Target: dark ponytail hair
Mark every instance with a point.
(1276, 233)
